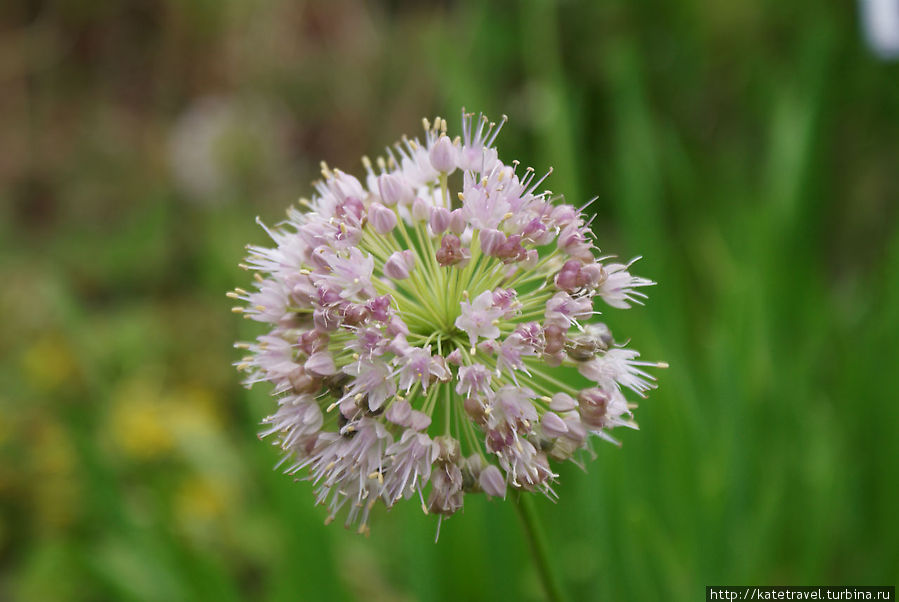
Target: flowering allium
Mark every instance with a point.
(425, 340)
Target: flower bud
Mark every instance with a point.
(569, 277)
(420, 210)
(552, 425)
(382, 219)
(576, 430)
(562, 402)
(457, 221)
(492, 482)
(471, 471)
(491, 241)
(394, 189)
(440, 219)
(399, 264)
(443, 155)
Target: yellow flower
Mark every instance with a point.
(49, 364)
(139, 421)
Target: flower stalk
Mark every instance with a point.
(533, 532)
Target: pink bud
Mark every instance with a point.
(443, 155)
(382, 219)
(457, 221)
(569, 277)
(576, 430)
(553, 425)
(394, 189)
(399, 264)
(492, 482)
(491, 241)
(562, 402)
(440, 219)
(420, 210)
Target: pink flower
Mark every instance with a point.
(421, 339)
(478, 318)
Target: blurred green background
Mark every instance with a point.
(748, 150)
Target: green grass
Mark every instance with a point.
(746, 150)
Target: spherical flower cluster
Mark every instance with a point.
(431, 329)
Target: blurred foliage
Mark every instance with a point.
(746, 149)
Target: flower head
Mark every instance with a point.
(427, 341)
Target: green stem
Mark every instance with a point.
(537, 543)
